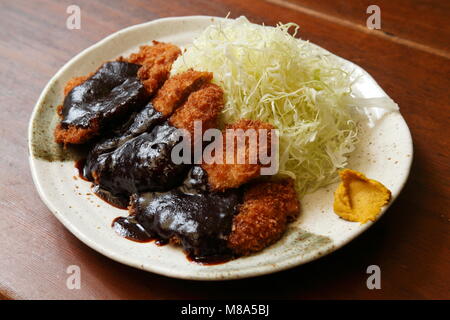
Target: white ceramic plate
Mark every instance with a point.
(384, 154)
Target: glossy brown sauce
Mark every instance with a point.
(211, 260)
(130, 231)
(79, 165)
(112, 93)
(131, 166)
(190, 215)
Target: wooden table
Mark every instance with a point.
(409, 57)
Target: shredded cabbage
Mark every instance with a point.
(269, 75)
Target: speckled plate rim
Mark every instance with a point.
(174, 272)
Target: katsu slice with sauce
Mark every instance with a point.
(139, 122)
(110, 188)
(142, 163)
(203, 105)
(100, 102)
(103, 100)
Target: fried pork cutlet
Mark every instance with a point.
(159, 56)
(100, 102)
(156, 61)
(263, 216)
(224, 175)
(177, 89)
(138, 157)
(203, 105)
(188, 215)
(106, 96)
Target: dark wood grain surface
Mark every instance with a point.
(410, 59)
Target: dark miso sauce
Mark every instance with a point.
(168, 203)
(105, 195)
(211, 260)
(79, 165)
(127, 228)
(190, 215)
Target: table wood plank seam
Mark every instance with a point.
(361, 28)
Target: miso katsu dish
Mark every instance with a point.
(211, 147)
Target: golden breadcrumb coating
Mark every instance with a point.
(263, 217)
(76, 135)
(156, 61)
(177, 89)
(224, 175)
(158, 53)
(203, 105)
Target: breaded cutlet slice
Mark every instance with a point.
(263, 216)
(98, 102)
(177, 89)
(75, 135)
(202, 105)
(156, 61)
(222, 176)
(157, 53)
